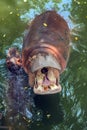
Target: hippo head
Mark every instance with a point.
(46, 51)
(43, 69)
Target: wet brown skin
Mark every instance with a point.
(48, 34)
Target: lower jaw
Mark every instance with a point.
(47, 91)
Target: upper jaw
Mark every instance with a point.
(42, 60)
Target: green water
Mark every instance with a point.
(64, 111)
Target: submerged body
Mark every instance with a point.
(19, 95)
(46, 51)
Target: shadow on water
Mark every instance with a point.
(64, 111)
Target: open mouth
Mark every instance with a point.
(46, 70)
(46, 81)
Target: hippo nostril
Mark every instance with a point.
(44, 70)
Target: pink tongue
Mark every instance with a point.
(46, 82)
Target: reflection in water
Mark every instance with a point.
(48, 112)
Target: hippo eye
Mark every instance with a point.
(44, 70)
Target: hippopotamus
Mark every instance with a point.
(45, 52)
(19, 96)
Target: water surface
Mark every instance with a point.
(64, 111)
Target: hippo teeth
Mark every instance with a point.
(46, 83)
(47, 89)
